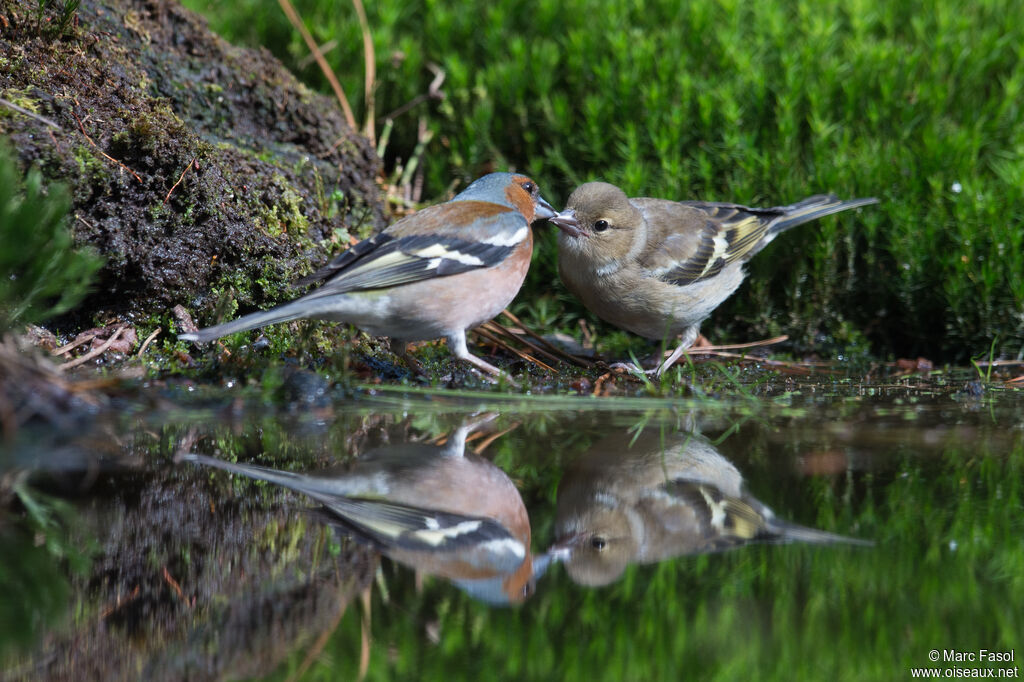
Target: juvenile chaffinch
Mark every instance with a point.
(657, 497)
(658, 268)
(435, 273)
(435, 509)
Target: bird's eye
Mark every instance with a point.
(529, 187)
(601, 226)
(597, 542)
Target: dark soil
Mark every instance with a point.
(195, 166)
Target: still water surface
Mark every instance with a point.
(800, 530)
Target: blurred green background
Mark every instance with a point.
(916, 103)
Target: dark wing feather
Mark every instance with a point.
(390, 525)
(390, 259)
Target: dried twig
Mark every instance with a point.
(96, 147)
(493, 338)
(149, 339)
(94, 352)
(486, 442)
(339, 93)
(505, 332)
(800, 367)
(174, 584)
(555, 350)
(324, 49)
(30, 114)
(433, 92)
(79, 340)
(599, 384)
(318, 646)
(180, 178)
(695, 350)
(121, 601)
(366, 636)
(370, 64)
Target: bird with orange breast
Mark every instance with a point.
(433, 508)
(433, 274)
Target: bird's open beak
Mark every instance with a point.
(543, 210)
(567, 222)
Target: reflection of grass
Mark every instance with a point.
(916, 103)
(36, 556)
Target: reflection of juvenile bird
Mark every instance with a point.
(438, 272)
(432, 508)
(659, 498)
(659, 268)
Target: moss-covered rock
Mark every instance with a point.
(195, 166)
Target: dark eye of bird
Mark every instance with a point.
(597, 542)
(601, 226)
(529, 187)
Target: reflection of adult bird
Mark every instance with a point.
(433, 508)
(659, 497)
(435, 273)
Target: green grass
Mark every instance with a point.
(43, 275)
(761, 103)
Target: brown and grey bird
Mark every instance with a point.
(648, 498)
(658, 268)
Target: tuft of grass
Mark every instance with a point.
(64, 17)
(41, 274)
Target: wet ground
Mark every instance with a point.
(806, 528)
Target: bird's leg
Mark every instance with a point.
(457, 345)
(401, 349)
(689, 336)
(456, 445)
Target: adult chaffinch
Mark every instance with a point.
(658, 268)
(435, 273)
(435, 509)
(652, 497)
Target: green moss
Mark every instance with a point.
(21, 98)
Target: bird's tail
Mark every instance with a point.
(283, 478)
(780, 531)
(283, 313)
(323, 489)
(813, 208)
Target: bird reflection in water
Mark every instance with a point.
(433, 508)
(658, 497)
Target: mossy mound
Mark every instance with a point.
(195, 166)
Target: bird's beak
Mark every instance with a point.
(543, 210)
(563, 548)
(567, 222)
